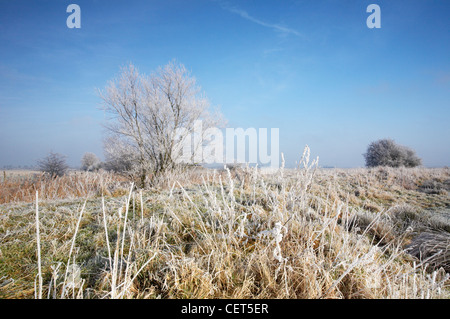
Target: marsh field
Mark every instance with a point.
(242, 232)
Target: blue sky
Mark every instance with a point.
(311, 68)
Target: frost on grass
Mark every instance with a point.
(241, 233)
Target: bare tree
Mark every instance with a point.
(149, 112)
(90, 162)
(53, 164)
(386, 152)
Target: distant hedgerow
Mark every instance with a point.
(386, 152)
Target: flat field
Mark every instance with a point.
(240, 233)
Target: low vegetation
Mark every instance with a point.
(240, 233)
(53, 165)
(386, 152)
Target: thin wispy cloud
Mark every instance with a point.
(12, 74)
(243, 14)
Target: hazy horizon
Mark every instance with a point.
(313, 69)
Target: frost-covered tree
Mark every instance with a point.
(53, 164)
(147, 113)
(119, 157)
(386, 152)
(90, 162)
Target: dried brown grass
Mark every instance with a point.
(241, 234)
(22, 186)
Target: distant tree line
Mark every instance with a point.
(25, 167)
